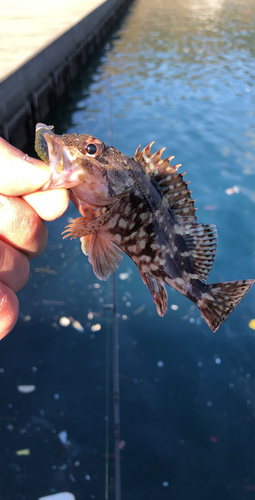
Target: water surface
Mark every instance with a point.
(181, 75)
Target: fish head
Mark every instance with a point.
(96, 173)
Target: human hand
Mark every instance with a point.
(23, 233)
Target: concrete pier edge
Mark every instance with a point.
(27, 95)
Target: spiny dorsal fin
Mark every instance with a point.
(201, 241)
(176, 196)
(174, 190)
(152, 163)
(175, 193)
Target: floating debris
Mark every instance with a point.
(213, 439)
(77, 325)
(52, 303)
(108, 306)
(59, 496)
(140, 309)
(217, 361)
(160, 364)
(252, 324)
(45, 270)
(96, 328)
(122, 444)
(124, 276)
(96, 285)
(26, 389)
(174, 307)
(62, 436)
(234, 189)
(61, 467)
(24, 452)
(210, 207)
(165, 484)
(64, 321)
(249, 487)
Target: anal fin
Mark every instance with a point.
(158, 292)
(104, 255)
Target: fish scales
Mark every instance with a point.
(143, 207)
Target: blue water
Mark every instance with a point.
(183, 76)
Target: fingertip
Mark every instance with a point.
(9, 310)
(19, 173)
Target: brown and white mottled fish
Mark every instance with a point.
(140, 206)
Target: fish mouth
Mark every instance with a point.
(52, 150)
(56, 153)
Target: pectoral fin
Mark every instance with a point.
(158, 292)
(85, 225)
(104, 256)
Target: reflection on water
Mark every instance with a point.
(181, 75)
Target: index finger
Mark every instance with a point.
(19, 173)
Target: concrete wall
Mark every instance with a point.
(27, 95)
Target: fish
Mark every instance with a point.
(139, 205)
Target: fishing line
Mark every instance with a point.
(107, 405)
(115, 335)
(116, 392)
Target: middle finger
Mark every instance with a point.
(21, 227)
(14, 267)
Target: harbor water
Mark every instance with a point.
(180, 74)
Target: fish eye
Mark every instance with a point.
(91, 146)
(91, 149)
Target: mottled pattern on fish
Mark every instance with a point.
(141, 206)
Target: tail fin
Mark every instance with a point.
(221, 300)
